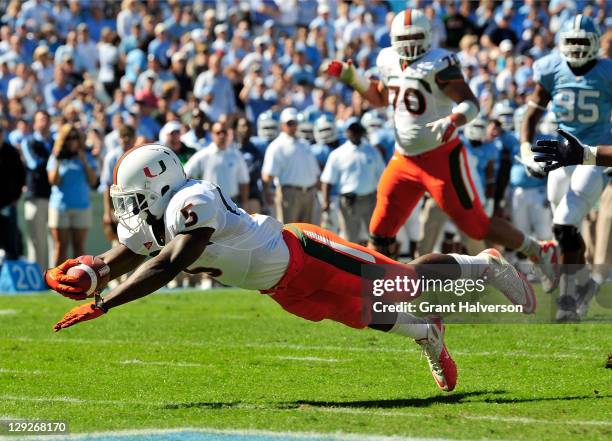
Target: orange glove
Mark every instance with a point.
(81, 313)
(57, 280)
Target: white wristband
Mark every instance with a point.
(590, 155)
(468, 109)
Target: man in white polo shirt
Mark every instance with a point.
(222, 166)
(292, 167)
(355, 167)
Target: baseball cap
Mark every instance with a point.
(169, 127)
(221, 27)
(146, 97)
(288, 114)
(506, 45)
(322, 9)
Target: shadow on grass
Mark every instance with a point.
(455, 398)
(483, 396)
(452, 398)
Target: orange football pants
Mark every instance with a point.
(324, 279)
(443, 173)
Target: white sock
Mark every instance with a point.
(567, 285)
(530, 247)
(410, 326)
(598, 278)
(472, 267)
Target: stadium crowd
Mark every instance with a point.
(236, 89)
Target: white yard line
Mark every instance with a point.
(308, 408)
(8, 311)
(507, 419)
(160, 363)
(19, 371)
(59, 340)
(325, 360)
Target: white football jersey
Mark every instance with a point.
(244, 251)
(415, 96)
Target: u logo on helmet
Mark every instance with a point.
(147, 170)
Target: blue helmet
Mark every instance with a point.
(325, 131)
(267, 125)
(372, 121)
(305, 126)
(503, 111)
(476, 130)
(579, 40)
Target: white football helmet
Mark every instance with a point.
(145, 179)
(372, 121)
(476, 130)
(579, 40)
(504, 113)
(305, 127)
(411, 34)
(267, 125)
(325, 130)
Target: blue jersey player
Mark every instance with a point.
(579, 85)
(486, 154)
(267, 130)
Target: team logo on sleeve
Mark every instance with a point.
(149, 174)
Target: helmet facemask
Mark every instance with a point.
(132, 208)
(412, 44)
(579, 47)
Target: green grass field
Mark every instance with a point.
(233, 359)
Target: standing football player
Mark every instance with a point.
(189, 225)
(431, 100)
(579, 84)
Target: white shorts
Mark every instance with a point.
(573, 191)
(531, 213)
(69, 218)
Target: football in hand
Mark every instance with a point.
(92, 274)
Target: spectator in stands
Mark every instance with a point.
(197, 137)
(72, 173)
(12, 176)
(214, 83)
(109, 57)
(127, 17)
(86, 50)
(292, 167)
(499, 31)
(57, 91)
(170, 135)
(36, 150)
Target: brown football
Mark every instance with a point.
(92, 274)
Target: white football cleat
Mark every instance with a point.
(512, 283)
(548, 263)
(443, 368)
